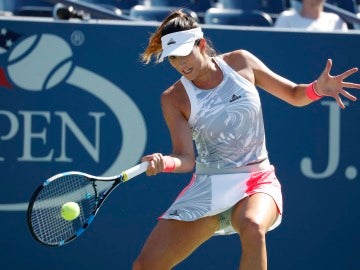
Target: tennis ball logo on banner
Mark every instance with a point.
(42, 62)
(51, 56)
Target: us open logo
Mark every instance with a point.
(56, 101)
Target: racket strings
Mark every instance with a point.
(47, 223)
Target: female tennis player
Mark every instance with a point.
(216, 104)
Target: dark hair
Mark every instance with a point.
(177, 21)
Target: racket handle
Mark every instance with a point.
(135, 171)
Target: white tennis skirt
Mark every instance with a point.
(209, 195)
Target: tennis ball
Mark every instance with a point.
(70, 211)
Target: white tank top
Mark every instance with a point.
(227, 123)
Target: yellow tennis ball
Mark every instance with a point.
(70, 211)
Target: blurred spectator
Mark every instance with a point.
(310, 16)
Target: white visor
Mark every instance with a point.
(179, 43)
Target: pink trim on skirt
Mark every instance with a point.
(208, 195)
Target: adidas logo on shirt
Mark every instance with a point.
(234, 97)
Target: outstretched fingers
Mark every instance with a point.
(348, 73)
(328, 67)
(351, 85)
(348, 95)
(334, 85)
(339, 101)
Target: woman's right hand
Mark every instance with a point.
(156, 163)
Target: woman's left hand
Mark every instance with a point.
(333, 86)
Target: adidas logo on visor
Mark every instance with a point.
(171, 41)
(179, 43)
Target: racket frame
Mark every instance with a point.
(117, 180)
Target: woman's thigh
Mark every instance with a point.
(171, 241)
(259, 208)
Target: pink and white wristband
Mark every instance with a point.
(311, 92)
(169, 164)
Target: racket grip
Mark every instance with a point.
(135, 171)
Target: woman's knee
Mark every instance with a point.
(253, 216)
(250, 229)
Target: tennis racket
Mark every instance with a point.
(44, 211)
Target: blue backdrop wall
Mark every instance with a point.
(74, 96)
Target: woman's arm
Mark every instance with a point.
(296, 94)
(173, 103)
